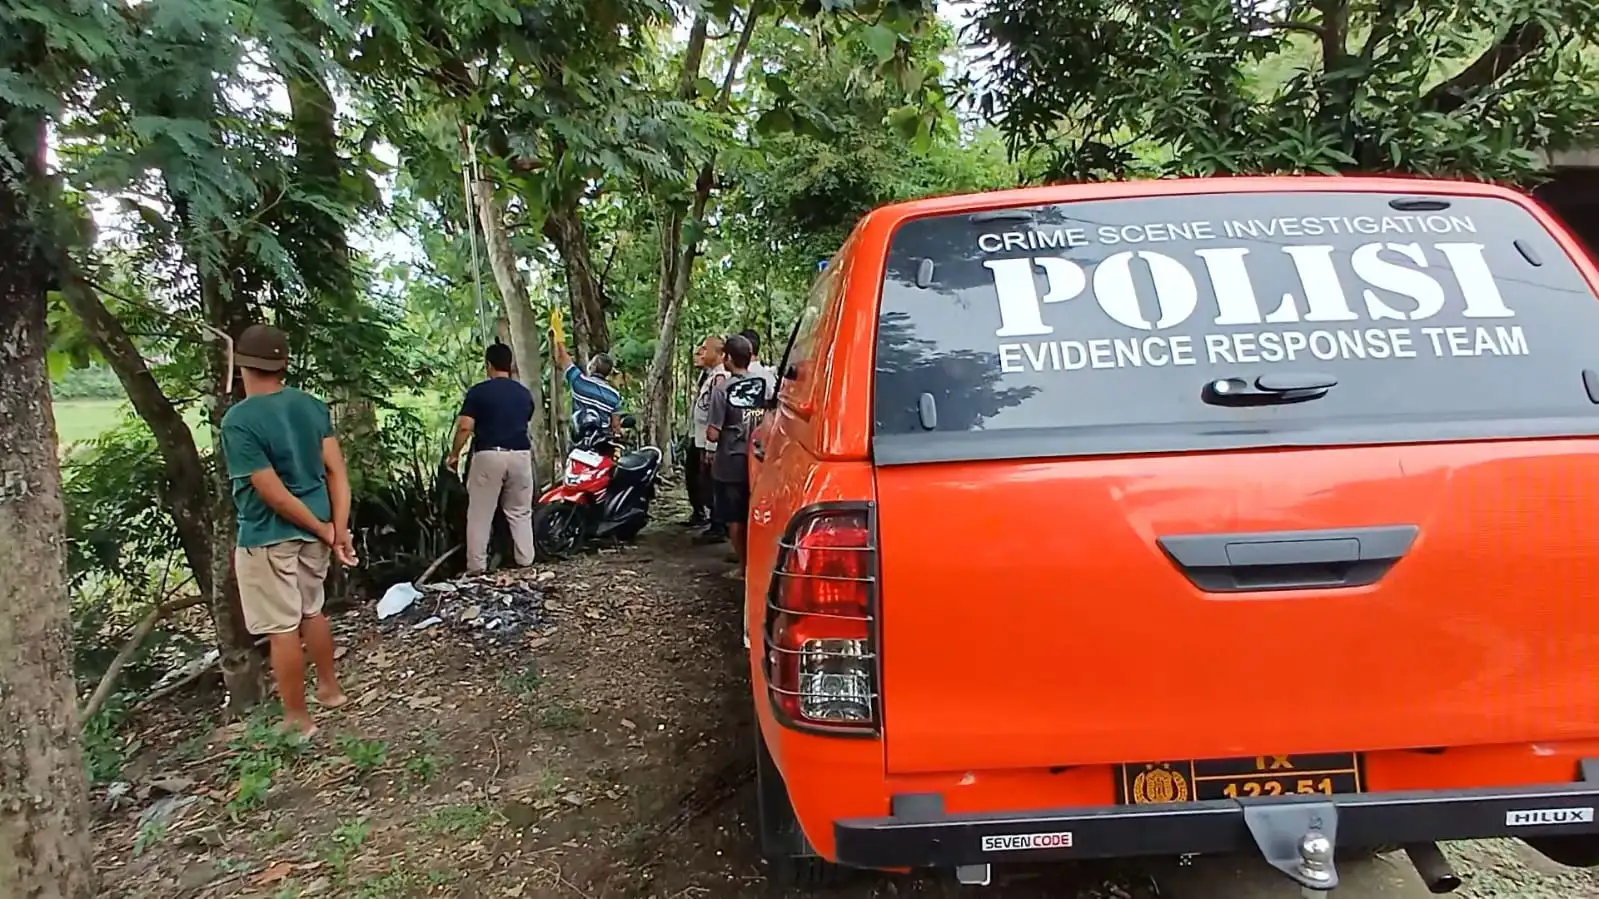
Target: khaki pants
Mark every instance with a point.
(281, 584)
(499, 479)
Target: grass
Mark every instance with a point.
(78, 421)
(524, 683)
(466, 821)
(260, 753)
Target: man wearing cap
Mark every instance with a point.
(291, 496)
(495, 416)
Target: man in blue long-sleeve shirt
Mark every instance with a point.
(593, 397)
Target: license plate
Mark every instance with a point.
(1144, 783)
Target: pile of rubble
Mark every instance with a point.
(493, 607)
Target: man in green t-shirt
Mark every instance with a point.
(292, 499)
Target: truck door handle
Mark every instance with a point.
(1289, 560)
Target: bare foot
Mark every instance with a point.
(331, 697)
(303, 729)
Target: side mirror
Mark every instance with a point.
(629, 422)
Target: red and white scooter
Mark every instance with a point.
(604, 492)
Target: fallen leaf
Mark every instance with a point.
(172, 785)
(512, 892)
(274, 873)
(629, 725)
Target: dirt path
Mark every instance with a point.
(603, 751)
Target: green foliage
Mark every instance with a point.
(423, 767)
(150, 834)
(344, 843)
(464, 821)
(524, 683)
(1094, 89)
(105, 748)
(121, 556)
(365, 756)
(95, 382)
(260, 754)
(414, 510)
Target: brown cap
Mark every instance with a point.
(261, 347)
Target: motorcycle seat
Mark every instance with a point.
(634, 461)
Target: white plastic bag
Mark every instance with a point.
(397, 599)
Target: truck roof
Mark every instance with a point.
(894, 213)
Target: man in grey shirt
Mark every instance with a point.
(729, 430)
(757, 367)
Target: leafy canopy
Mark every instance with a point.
(1098, 88)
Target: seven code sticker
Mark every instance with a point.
(1021, 841)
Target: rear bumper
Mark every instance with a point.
(920, 834)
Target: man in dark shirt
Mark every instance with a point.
(729, 429)
(495, 416)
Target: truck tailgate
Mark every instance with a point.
(1044, 624)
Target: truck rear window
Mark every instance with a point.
(1095, 327)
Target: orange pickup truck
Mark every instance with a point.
(1182, 517)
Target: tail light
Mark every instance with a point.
(821, 661)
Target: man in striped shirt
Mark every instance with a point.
(593, 397)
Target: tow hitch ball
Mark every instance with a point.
(1316, 872)
(1300, 839)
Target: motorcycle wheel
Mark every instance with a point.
(558, 528)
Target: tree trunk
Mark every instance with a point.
(242, 671)
(678, 251)
(526, 332)
(44, 829)
(186, 496)
(323, 249)
(564, 227)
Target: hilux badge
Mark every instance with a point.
(1536, 817)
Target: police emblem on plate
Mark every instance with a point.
(1159, 783)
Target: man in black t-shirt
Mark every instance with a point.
(495, 416)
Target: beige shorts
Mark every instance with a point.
(281, 584)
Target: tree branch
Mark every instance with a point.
(187, 498)
(1518, 43)
(135, 640)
